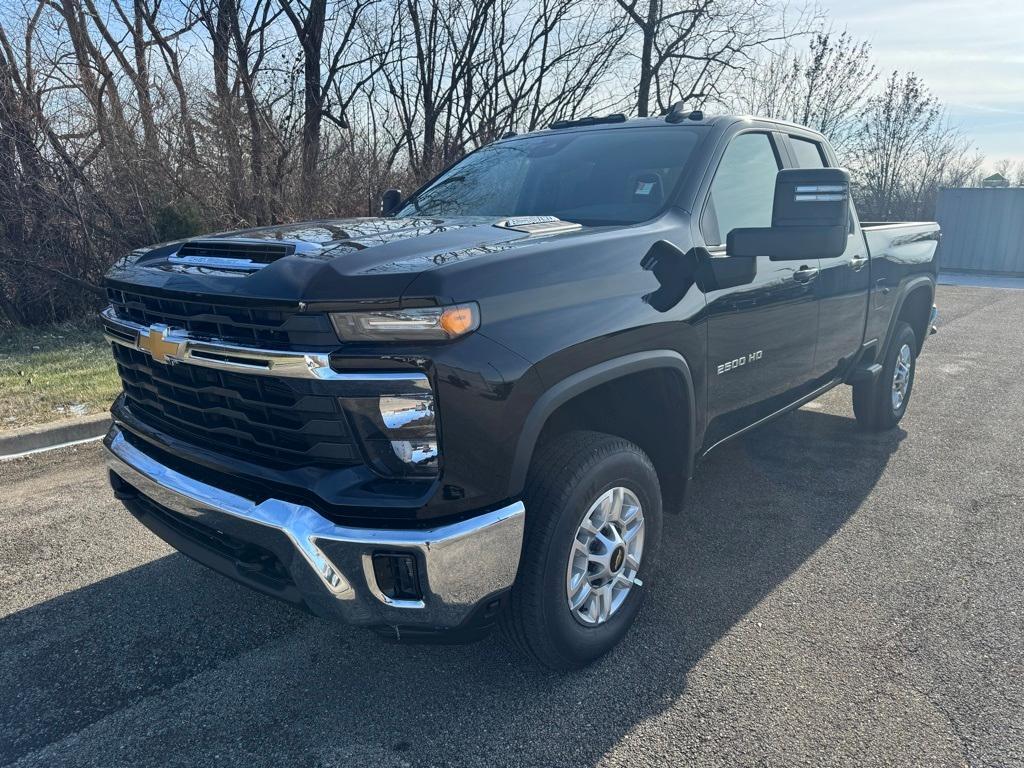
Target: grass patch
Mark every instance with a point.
(53, 372)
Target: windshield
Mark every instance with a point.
(620, 176)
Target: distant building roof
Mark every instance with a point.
(995, 180)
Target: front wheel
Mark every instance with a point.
(593, 525)
(879, 405)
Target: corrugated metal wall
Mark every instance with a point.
(982, 230)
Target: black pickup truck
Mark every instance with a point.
(474, 409)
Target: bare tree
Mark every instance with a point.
(685, 48)
(824, 87)
(542, 65)
(429, 85)
(220, 18)
(905, 151)
(1013, 170)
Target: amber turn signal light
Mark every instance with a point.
(458, 320)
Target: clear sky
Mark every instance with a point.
(971, 55)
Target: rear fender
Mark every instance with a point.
(909, 287)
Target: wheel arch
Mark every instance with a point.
(914, 307)
(660, 376)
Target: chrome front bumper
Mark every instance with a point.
(330, 566)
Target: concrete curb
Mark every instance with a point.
(44, 436)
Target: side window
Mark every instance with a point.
(808, 153)
(743, 189)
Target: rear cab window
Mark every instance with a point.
(809, 154)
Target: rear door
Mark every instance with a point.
(842, 285)
(761, 336)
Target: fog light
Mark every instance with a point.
(402, 411)
(422, 455)
(397, 576)
(397, 427)
(409, 421)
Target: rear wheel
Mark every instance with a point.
(879, 405)
(593, 525)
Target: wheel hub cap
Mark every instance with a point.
(618, 558)
(901, 376)
(605, 556)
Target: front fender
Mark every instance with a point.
(586, 379)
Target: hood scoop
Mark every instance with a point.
(236, 254)
(538, 225)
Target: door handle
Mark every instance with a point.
(858, 262)
(805, 274)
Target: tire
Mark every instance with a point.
(567, 479)
(875, 403)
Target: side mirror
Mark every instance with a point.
(810, 218)
(390, 202)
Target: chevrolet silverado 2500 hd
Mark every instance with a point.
(474, 409)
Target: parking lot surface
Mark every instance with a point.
(827, 597)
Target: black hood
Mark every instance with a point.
(343, 261)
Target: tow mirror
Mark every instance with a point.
(390, 201)
(810, 218)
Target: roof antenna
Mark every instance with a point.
(677, 114)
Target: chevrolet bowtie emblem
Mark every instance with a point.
(162, 344)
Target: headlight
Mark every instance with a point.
(420, 324)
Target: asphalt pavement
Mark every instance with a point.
(827, 597)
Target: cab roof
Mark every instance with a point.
(695, 118)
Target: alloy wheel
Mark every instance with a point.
(605, 556)
(901, 376)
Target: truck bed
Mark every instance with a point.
(902, 241)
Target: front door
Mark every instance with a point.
(761, 336)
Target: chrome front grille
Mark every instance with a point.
(264, 419)
(280, 408)
(272, 328)
(274, 408)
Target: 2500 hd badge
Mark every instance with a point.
(732, 365)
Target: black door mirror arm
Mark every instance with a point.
(677, 270)
(390, 202)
